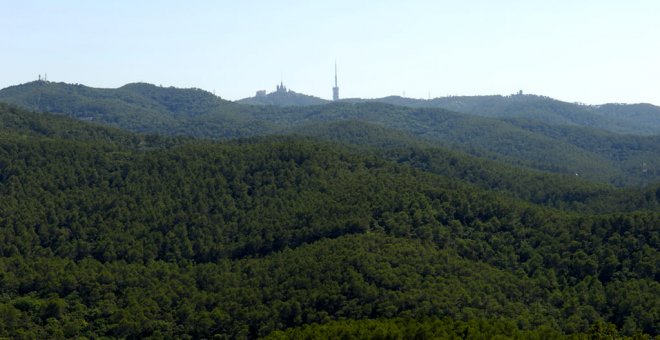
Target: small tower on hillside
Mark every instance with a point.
(335, 90)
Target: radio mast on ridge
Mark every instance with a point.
(335, 90)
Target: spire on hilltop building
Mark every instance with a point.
(335, 90)
(281, 87)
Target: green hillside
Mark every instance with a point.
(646, 116)
(137, 107)
(87, 102)
(589, 153)
(406, 328)
(640, 119)
(20, 124)
(244, 238)
(566, 192)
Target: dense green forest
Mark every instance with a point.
(105, 233)
(525, 139)
(434, 329)
(139, 107)
(566, 192)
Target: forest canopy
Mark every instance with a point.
(106, 233)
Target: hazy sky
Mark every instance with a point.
(573, 50)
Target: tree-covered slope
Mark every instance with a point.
(592, 154)
(248, 237)
(646, 116)
(352, 277)
(553, 190)
(87, 102)
(433, 328)
(137, 107)
(20, 124)
(640, 119)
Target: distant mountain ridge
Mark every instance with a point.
(640, 119)
(620, 118)
(76, 99)
(149, 100)
(519, 140)
(138, 107)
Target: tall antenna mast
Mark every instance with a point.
(335, 73)
(335, 90)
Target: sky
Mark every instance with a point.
(586, 51)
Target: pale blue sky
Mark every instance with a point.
(573, 50)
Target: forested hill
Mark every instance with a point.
(244, 238)
(283, 98)
(137, 107)
(596, 155)
(22, 124)
(638, 119)
(554, 190)
(152, 101)
(642, 119)
(592, 154)
(557, 191)
(86, 102)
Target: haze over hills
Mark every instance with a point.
(566, 149)
(643, 119)
(620, 118)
